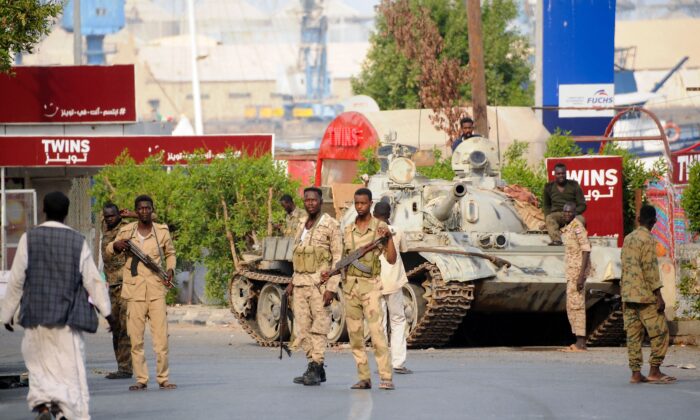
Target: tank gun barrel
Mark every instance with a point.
(443, 209)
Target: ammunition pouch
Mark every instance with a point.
(310, 259)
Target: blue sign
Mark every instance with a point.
(578, 50)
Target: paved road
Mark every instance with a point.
(221, 374)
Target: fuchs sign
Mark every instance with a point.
(600, 178)
(68, 94)
(101, 151)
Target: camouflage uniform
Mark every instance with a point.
(292, 221)
(312, 320)
(113, 272)
(640, 278)
(575, 244)
(363, 294)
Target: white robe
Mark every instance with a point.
(55, 356)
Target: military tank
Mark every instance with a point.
(469, 251)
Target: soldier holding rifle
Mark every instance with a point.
(362, 290)
(144, 288)
(317, 248)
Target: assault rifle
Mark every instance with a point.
(140, 256)
(353, 257)
(284, 326)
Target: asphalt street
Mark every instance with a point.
(222, 374)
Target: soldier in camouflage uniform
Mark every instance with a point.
(577, 256)
(294, 215)
(643, 305)
(362, 290)
(317, 248)
(113, 272)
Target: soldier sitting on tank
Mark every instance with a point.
(556, 194)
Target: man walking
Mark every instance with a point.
(113, 266)
(144, 290)
(556, 194)
(52, 275)
(577, 256)
(393, 279)
(642, 303)
(362, 291)
(294, 215)
(317, 248)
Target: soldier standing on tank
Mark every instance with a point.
(362, 290)
(577, 256)
(113, 266)
(294, 215)
(642, 304)
(317, 248)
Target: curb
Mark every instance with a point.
(200, 315)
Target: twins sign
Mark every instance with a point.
(600, 178)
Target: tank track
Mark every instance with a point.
(446, 305)
(249, 325)
(610, 332)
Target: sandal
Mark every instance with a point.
(388, 385)
(138, 386)
(363, 384)
(167, 385)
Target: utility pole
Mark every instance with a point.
(196, 97)
(476, 60)
(77, 34)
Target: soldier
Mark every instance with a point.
(113, 272)
(317, 248)
(642, 303)
(577, 256)
(294, 215)
(144, 291)
(362, 290)
(556, 194)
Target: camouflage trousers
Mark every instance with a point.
(363, 302)
(641, 317)
(312, 322)
(555, 221)
(120, 338)
(575, 304)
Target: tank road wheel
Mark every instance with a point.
(241, 295)
(268, 313)
(413, 305)
(338, 331)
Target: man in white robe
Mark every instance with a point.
(51, 273)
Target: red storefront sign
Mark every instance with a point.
(682, 160)
(99, 151)
(345, 137)
(600, 178)
(68, 94)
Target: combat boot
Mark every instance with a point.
(322, 372)
(313, 376)
(300, 379)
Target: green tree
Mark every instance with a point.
(394, 80)
(369, 164)
(205, 204)
(22, 24)
(441, 169)
(691, 198)
(516, 169)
